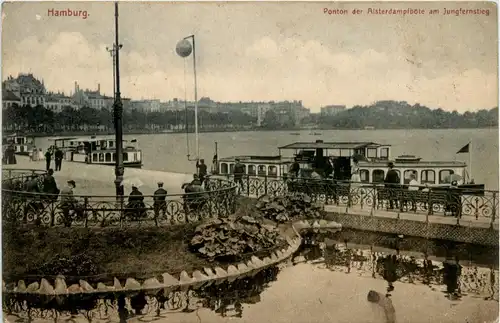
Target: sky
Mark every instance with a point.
(263, 51)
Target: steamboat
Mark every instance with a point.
(22, 145)
(98, 150)
(369, 158)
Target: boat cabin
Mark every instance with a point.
(23, 145)
(372, 161)
(426, 172)
(95, 150)
(270, 166)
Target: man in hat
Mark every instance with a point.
(202, 169)
(136, 201)
(50, 186)
(58, 157)
(239, 171)
(159, 197)
(392, 183)
(69, 203)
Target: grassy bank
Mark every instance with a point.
(98, 254)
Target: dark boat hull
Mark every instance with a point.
(126, 165)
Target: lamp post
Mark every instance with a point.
(112, 53)
(184, 49)
(118, 111)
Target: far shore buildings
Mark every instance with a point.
(26, 89)
(331, 110)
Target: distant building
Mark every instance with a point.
(91, 99)
(147, 106)
(331, 110)
(57, 101)
(30, 90)
(9, 99)
(262, 108)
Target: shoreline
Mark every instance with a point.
(149, 132)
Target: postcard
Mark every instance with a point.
(250, 161)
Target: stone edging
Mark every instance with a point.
(152, 285)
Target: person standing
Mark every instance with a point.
(34, 154)
(48, 158)
(413, 187)
(239, 171)
(160, 203)
(50, 186)
(69, 203)
(392, 182)
(58, 157)
(202, 169)
(40, 154)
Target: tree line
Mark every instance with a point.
(381, 115)
(40, 119)
(394, 115)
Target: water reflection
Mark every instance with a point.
(450, 275)
(225, 298)
(459, 276)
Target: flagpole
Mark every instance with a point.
(470, 161)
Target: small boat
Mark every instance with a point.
(372, 160)
(315, 134)
(295, 133)
(98, 150)
(23, 145)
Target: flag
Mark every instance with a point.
(464, 149)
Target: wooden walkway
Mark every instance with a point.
(466, 221)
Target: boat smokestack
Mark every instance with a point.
(319, 151)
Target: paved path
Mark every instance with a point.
(467, 221)
(98, 179)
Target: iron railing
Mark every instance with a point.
(477, 203)
(23, 207)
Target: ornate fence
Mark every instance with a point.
(481, 204)
(22, 206)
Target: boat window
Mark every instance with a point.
(125, 157)
(261, 170)
(378, 176)
(399, 174)
(110, 143)
(345, 153)
(428, 177)
(273, 171)
(94, 157)
(101, 157)
(384, 153)
(135, 156)
(223, 168)
(443, 174)
(251, 170)
(371, 153)
(364, 174)
(231, 168)
(108, 157)
(114, 157)
(408, 172)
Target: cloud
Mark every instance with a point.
(267, 69)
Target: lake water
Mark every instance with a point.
(167, 152)
(331, 286)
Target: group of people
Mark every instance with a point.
(57, 155)
(136, 207)
(36, 154)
